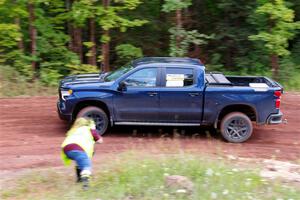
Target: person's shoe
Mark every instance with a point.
(78, 171)
(85, 176)
(85, 183)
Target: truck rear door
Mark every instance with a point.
(180, 97)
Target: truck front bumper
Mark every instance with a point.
(62, 106)
(275, 118)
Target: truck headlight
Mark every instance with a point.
(66, 93)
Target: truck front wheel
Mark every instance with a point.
(236, 127)
(98, 115)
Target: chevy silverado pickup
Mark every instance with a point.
(165, 91)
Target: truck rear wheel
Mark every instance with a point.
(236, 127)
(98, 115)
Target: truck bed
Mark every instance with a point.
(216, 78)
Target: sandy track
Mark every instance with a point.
(31, 134)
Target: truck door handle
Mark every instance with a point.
(194, 94)
(152, 94)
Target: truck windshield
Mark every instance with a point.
(112, 76)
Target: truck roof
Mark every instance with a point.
(148, 60)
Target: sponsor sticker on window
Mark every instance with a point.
(175, 80)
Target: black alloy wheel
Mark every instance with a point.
(236, 127)
(98, 115)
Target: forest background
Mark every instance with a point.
(42, 41)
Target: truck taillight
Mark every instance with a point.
(277, 93)
(277, 101)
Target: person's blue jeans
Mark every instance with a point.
(81, 158)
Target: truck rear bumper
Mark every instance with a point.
(62, 116)
(275, 118)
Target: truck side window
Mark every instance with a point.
(179, 77)
(142, 78)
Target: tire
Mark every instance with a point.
(98, 115)
(236, 127)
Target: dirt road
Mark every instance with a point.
(31, 134)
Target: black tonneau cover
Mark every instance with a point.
(217, 78)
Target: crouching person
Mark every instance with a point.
(79, 146)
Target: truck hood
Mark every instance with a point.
(84, 80)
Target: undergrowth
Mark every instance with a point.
(132, 177)
(13, 84)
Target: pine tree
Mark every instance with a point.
(275, 30)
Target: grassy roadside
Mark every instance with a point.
(130, 177)
(12, 84)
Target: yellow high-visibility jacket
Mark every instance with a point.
(81, 136)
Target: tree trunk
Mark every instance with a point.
(77, 42)
(18, 23)
(163, 39)
(69, 25)
(105, 46)
(92, 58)
(20, 42)
(196, 52)
(273, 56)
(32, 33)
(178, 26)
(105, 53)
(275, 66)
(75, 33)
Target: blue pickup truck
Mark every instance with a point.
(163, 91)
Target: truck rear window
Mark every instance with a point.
(179, 77)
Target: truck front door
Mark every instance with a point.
(140, 101)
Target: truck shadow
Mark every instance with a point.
(163, 132)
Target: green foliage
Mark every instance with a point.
(290, 73)
(152, 37)
(181, 39)
(50, 73)
(22, 63)
(232, 36)
(82, 69)
(108, 18)
(51, 45)
(280, 29)
(186, 39)
(172, 5)
(89, 45)
(9, 37)
(128, 52)
(105, 39)
(296, 51)
(81, 11)
(229, 20)
(50, 76)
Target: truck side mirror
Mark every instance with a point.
(122, 86)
